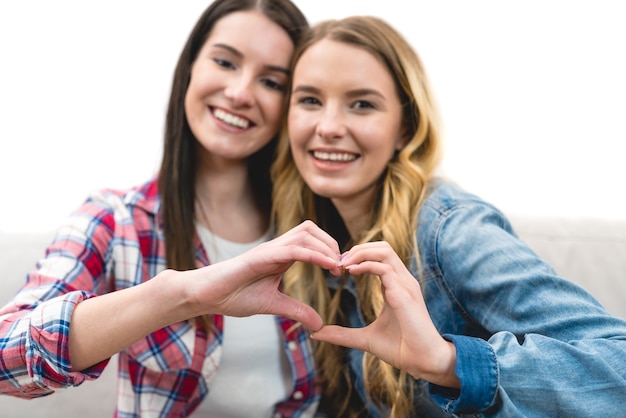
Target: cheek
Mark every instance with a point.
(299, 126)
(273, 110)
(386, 138)
(188, 105)
(296, 141)
(193, 100)
(301, 163)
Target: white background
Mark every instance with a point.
(532, 94)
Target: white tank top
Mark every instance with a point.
(254, 373)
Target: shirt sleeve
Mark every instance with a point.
(528, 342)
(35, 351)
(34, 325)
(476, 361)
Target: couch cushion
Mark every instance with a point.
(590, 252)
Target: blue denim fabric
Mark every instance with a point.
(529, 343)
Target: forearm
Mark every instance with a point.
(103, 326)
(244, 285)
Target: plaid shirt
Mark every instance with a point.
(114, 241)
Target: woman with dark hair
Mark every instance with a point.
(156, 273)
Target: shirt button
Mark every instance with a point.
(292, 345)
(297, 395)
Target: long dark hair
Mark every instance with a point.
(177, 174)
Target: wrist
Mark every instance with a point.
(442, 372)
(171, 294)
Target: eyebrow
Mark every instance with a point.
(349, 94)
(364, 92)
(239, 54)
(306, 89)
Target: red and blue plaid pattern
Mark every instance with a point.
(114, 241)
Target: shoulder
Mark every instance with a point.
(144, 197)
(449, 209)
(109, 209)
(463, 239)
(444, 195)
(446, 199)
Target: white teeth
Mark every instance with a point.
(334, 156)
(230, 119)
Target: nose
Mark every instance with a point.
(331, 124)
(239, 90)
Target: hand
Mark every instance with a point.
(403, 335)
(249, 284)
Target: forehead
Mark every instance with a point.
(331, 62)
(252, 31)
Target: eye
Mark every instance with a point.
(224, 63)
(308, 101)
(363, 104)
(273, 84)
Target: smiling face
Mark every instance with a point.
(234, 100)
(344, 123)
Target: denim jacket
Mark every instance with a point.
(528, 342)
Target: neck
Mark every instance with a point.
(225, 204)
(223, 186)
(355, 214)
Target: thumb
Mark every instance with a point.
(343, 336)
(297, 311)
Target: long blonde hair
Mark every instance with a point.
(393, 216)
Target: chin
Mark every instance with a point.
(324, 192)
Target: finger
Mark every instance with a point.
(399, 286)
(313, 256)
(377, 258)
(343, 336)
(321, 235)
(291, 308)
(379, 251)
(308, 234)
(311, 236)
(378, 268)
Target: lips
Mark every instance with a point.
(230, 119)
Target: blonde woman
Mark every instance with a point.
(441, 310)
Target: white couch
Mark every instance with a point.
(589, 252)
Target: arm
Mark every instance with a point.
(528, 342)
(242, 286)
(55, 326)
(34, 354)
(520, 341)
